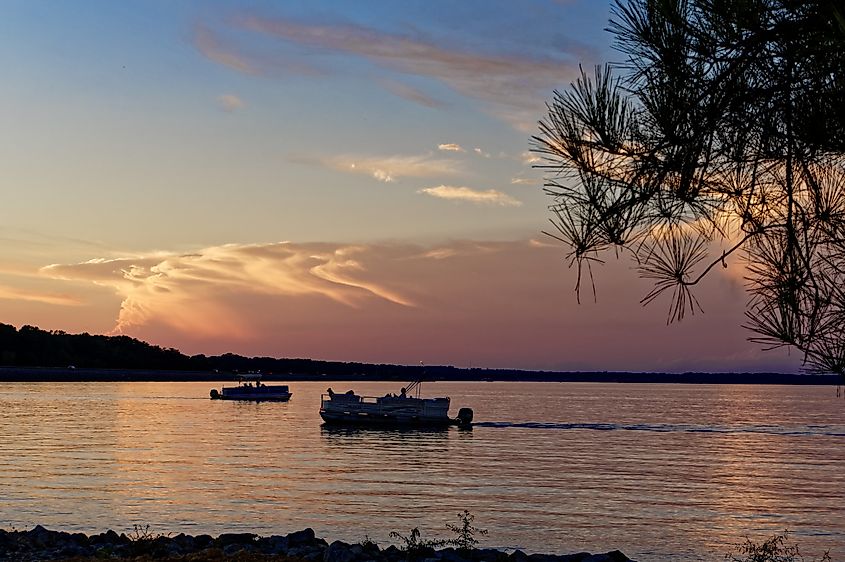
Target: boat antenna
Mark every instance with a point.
(417, 384)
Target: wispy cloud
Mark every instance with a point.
(196, 288)
(487, 197)
(526, 181)
(450, 147)
(513, 87)
(221, 52)
(481, 152)
(412, 94)
(508, 301)
(230, 102)
(529, 158)
(389, 168)
(15, 293)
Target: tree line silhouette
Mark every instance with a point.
(34, 354)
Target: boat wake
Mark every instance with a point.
(820, 430)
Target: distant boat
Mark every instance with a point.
(250, 387)
(391, 410)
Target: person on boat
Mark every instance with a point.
(402, 393)
(331, 392)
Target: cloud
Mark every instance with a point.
(481, 152)
(190, 291)
(488, 197)
(450, 147)
(497, 304)
(513, 87)
(529, 158)
(215, 49)
(526, 181)
(412, 94)
(14, 293)
(230, 102)
(389, 168)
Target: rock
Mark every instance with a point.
(302, 537)
(339, 551)
(307, 552)
(39, 544)
(275, 545)
(70, 551)
(108, 538)
(39, 537)
(233, 548)
(541, 558)
(235, 538)
(79, 539)
(451, 555)
(392, 553)
(518, 556)
(7, 541)
(612, 556)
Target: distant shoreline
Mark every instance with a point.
(46, 374)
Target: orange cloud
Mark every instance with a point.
(497, 304)
(391, 168)
(459, 193)
(15, 293)
(230, 102)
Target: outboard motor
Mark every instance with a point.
(216, 395)
(464, 417)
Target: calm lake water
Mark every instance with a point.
(661, 472)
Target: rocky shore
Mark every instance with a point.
(43, 544)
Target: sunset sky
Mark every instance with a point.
(335, 180)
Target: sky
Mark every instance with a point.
(336, 180)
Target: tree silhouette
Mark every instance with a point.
(721, 134)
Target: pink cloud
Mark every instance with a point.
(512, 87)
(496, 304)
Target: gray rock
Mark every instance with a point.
(302, 537)
(489, 555)
(233, 548)
(451, 555)
(339, 551)
(108, 538)
(39, 537)
(612, 556)
(201, 542)
(235, 538)
(518, 556)
(277, 545)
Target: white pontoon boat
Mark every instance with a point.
(397, 410)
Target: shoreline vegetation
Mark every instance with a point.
(30, 354)
(142, 545)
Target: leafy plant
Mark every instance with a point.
(367, 542)
(414, 545)
(465, 532)
(142, 534)
(722, 136)
(774, 549)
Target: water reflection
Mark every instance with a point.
(661, 472)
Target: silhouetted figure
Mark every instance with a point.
(331, 392)
(402, 393)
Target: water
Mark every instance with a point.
(662, 472)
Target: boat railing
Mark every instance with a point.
(378, 404)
